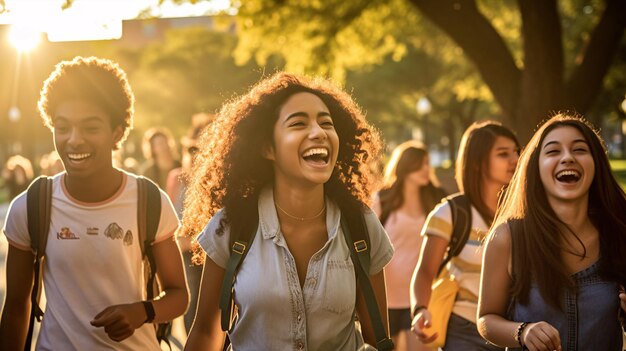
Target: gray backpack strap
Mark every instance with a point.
(461, 223)
(241, 238)
(38, 204)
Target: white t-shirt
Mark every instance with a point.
(466, 266)
(93, 260)
(275, 313)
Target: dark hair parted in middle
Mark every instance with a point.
(535, 225)
(230, 167)
(407, 158)
(472, 162)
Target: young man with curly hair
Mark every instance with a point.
(93, 272)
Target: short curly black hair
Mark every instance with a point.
(97, 80)
(230, 166)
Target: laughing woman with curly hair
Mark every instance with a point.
(298, 150)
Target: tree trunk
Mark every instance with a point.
(528, 96)
(462, 21)
(541, 90)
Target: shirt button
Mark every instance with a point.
(312, 281)
(299, 317)
(300, 345)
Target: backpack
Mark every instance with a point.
(461, 223)
(38, 205)
(358, 241)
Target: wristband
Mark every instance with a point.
(518, 334)
(149, 311)
(416, 310)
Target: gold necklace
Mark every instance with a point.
(301, 219)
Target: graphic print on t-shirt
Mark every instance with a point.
(128, 238)
(92, 230)
(66, 233)
(114, 231)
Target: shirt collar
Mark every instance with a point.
(268, 218)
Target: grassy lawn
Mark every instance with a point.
(619, 169)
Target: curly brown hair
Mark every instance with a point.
(99, 81)
(230, 168)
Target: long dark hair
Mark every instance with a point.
(473, 161)
(230, 170)
(407, 158)
(535, 229)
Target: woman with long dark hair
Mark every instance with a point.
(159, 149)
(297, 152)
(409, 193)
(554, 263)
(487, 157)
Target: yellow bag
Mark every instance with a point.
(442, 299)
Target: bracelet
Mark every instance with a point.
(416, 310)
(149, 311)
(518, 334)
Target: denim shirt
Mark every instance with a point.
(275, 313)
(589, 320)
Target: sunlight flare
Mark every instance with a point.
(24, 38)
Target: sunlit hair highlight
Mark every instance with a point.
(95, 80)
(230, 168)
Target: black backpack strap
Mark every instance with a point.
(461, 226)
(38, 204)
(357, 238)
(241, 238)
(148, 218)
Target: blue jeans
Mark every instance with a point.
(463, 335)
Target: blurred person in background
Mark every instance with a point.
(50, 164)
(410, 192)
(487, 157)
(127, 163)
(17, 174)
(159, 150)
(177, 181)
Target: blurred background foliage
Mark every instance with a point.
(387, 53)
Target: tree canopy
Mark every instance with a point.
(532, 56)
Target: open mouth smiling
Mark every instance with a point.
(568, 176)
(318, 155)
(78, 157)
